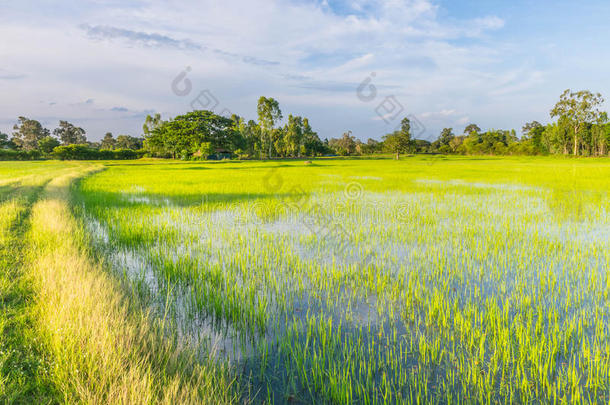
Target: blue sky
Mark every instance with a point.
(105, 64)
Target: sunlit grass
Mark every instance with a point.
(69, 331)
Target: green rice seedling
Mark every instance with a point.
(469, 281)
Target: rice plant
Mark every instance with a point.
(460, 280)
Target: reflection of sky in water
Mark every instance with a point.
(397, 233)
(494, 186)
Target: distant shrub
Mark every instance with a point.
(125, 154)
(9, 154)
(82, 152)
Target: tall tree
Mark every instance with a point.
(400, 141)
(598, 135)
(128, 142)
(269, 114)
(293, 133)
(251, 136)
(533, 132)
(529, 127)
(5, 142)
(372, 146)
(108, 142)
(27, 133)
(446, 136)
(185, 134)
(312, 145)
(579, 109)
(150, 123)
(345, 146)
(472, 128)
(558, 136)
(69, 134)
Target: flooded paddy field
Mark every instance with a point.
(425, 280)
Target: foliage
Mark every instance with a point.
(400, 141)
(5, 142)
(70, 134)
(269, 114)
(471, 128)
(47, 144)
(9, 154)
(345, 146)
(579, 110)
(27, 133)
(82, 152)
(206, 149)
(581, 129)
(445, 137)
(151, 123)
(184, 134)
(108, 142)
(128, 142)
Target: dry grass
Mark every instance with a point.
(104, 351)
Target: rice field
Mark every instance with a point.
(425, 280)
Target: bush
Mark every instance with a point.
(125, 154)
(74, 152)
(82, 152)
(9, 154)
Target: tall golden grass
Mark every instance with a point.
(104, 350)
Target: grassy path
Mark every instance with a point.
(24, 362)
(69, 333)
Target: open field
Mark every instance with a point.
(430, 279)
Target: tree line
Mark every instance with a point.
(580, 129)
(30, 140)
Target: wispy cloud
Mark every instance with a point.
(8, 75)
(156, 40)
(153, 40)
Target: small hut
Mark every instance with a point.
(220, 154)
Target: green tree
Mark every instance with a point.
(399, 141)
(108, 142)
(185, 133)
(5, 142)
(372, 146)
(47, 144)
(578, 109)
(70, 134)
(150, 123)
(312, 145)
(293, 133)
(445, 137)
(344, 146)
(471, 128)
(250, 133)
(599, 136)
(269, 114)
(27, 133)
(128, 142)
(558, 136)
(205, 149)
(534, 132)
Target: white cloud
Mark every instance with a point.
(489, 22)
(463, 121)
